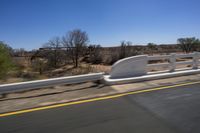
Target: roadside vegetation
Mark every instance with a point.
(6, 64)
(73, 54)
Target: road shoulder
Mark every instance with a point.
(70, 93)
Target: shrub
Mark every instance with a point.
(95, 56)
(5, 60)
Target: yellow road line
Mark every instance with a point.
(94, 99)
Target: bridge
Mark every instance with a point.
(167, 108)
(127, 70)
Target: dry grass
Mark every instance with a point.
(101, 68)
(25, 73)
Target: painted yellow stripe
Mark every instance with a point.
(95, 99)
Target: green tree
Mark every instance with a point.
(151, 47)
(188, 44)
(5, 59)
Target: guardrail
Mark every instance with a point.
(128, 67)
(5, 88)
(171, 63)
(143, 67)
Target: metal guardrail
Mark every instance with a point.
(5, 88)
(172, 63)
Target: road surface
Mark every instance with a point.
(173, 110)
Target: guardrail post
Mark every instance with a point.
(195, 60)
(172, 62)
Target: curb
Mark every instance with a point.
(101, 97)
(109, 81)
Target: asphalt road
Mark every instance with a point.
(174, 110)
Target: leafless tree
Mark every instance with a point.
(75, 41)
(19, 52)
(125, 49)
(54, 51)
(39, 64)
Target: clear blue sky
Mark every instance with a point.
(31, 23)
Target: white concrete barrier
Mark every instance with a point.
(134, 69)
(172, 63)
(5, 88)
(148, 77)
(129, 67)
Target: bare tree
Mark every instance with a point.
(54, 48)
(125, 49)
(75, 41)
(39, 64)
(19, 52)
